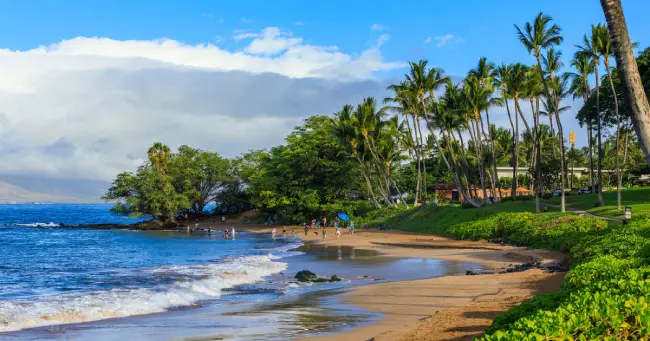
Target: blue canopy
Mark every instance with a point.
(343, 216)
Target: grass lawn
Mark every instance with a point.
(637, 198)
(436, 219)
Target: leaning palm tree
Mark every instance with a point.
(580, 88)
(535, 38)
(629, 72)
(604, 48)
(588, 49)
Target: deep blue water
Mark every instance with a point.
(51, 275)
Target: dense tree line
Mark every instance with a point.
(429, 130)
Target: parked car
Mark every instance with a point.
(558, 192)
(584, 191)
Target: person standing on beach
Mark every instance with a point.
(284, 231)
(306, 229)
(293, 234)
(324, 233)
(351, 227)
(324, 221)
(338, 232)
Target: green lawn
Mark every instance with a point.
(637, 198)
(436, 219)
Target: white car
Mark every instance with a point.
(584, 191)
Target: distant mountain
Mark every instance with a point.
(20, 189)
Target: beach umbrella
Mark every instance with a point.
(344, 216)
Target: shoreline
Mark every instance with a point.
(441, 308)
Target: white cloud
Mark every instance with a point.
(244, 35)
(88, 108)
(378, 27)
(428, 40)
(300, 23)
(382, 39)
(448, 39)
(272, 41)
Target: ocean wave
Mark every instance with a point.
(207, 281)
(50, 224)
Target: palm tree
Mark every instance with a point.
(536, 37)
(580, 88)
(516, 85)
(604, 48)
(406, 103)
(501, 80)
(588, 50)
(159, 157)
(345, 131)
(629, 72)
(534, 90)
(486, 72)
(477, 98)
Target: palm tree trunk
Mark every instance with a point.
(494, 157)
(562, 155)
(371, 193)
(417, 157)
(515, 153)
(491, 150)
(479, 157)
(629, 72)
(459, 184)
(600, 144)
(591, 158)
(423, 159)
(618, 137)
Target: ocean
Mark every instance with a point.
(79, 284)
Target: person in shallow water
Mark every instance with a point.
(233, 233)
(225, 233)
(273, 232)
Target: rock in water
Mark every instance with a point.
(306, 276)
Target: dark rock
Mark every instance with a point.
(305, 276)
(335, 278)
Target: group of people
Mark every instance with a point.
(227, 234)
(322, 222)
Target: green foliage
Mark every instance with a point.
(604, 296)
(169, 183)
(311, 175)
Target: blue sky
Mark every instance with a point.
(114, 76)
(483, 28)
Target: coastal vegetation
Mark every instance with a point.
(378, 160)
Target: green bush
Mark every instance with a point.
(548, 302)
(617, 244)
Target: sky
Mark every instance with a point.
(87, 86)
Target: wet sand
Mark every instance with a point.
(442, 308)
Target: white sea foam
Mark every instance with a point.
(50, 224)
(74, 308)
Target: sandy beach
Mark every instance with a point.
(443, 308)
